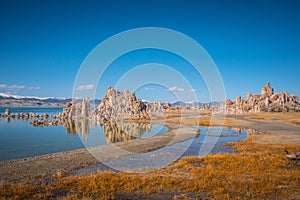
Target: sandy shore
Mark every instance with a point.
(66, 162)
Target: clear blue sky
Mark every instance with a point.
(43, 43)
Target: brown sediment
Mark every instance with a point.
(207, 121)
(280, 127)
(286, 117)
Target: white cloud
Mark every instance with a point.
(176, 89)
(192, 90)
(149, 88)
(34, 88)
(15, 88)
(85, 87)
(11, 87)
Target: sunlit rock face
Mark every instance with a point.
(76, 110)
(116, 106)
(266, 102)
(156, 108)
(120, 105)
(267, 90)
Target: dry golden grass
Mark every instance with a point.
(182, 113)
(257, 171)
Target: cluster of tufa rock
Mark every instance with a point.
(75, 110)
(118, 105)
(267, 101)
(23, 115)
(115, 106)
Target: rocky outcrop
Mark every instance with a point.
(120, 105)
(24, 115)
(267, 90)
(116, 106)
(156, 108)
(205, 106)
(266, 102)
(76, 110)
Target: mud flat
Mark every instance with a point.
(282, 128)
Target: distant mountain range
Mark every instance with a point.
(192, 104)
(35, 98)
(17, 100)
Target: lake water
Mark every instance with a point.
(217, 136)
(39, 110)
(19, 139)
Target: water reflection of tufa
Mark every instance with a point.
(78, 126)
(250, 131)
(114, 132)
(118, 132)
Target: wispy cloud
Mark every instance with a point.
(15, 88)
(85, 87)
(149, 88)
(34, 88)
(176, 89)
(192, 90)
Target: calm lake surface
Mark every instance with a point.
(19, 139)
(217, 136)
(40, 110)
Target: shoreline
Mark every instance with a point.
(66, 162)
(260, 160)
